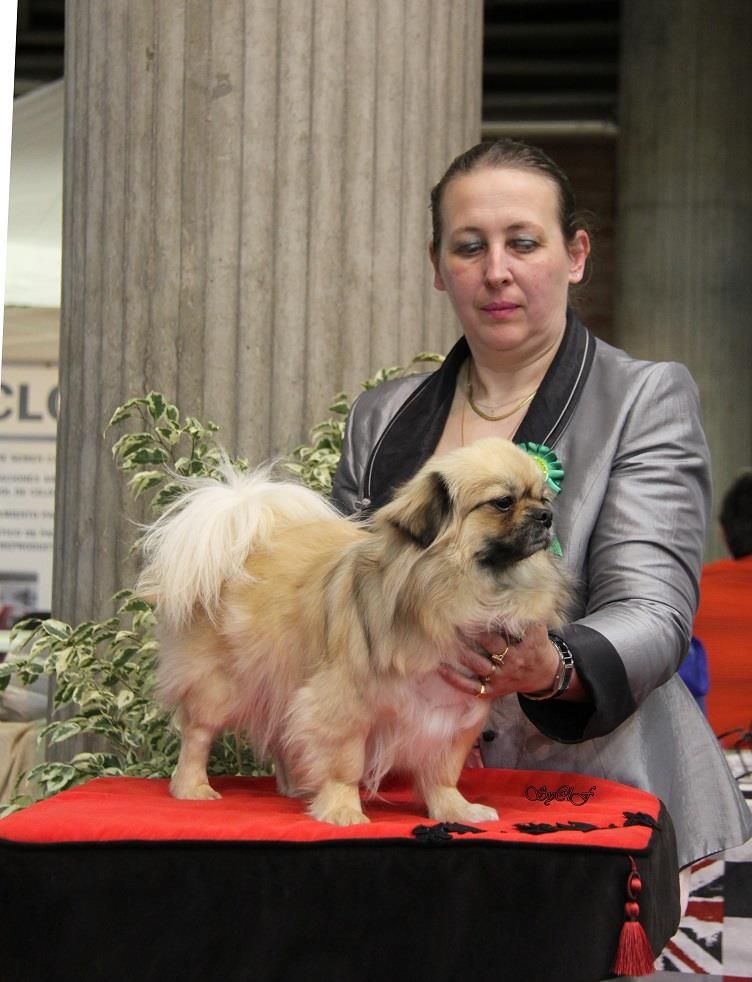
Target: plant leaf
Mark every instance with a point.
(156, 404)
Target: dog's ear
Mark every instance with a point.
(421, 509)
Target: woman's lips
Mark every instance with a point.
(499, 310)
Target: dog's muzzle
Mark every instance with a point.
(542, 515)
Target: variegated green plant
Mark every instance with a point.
(166, 448)
(315, 463)
(104, 672)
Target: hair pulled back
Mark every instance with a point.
(514, 154)
(736, 516)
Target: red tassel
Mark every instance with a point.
(634, 956)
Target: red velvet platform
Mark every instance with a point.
(116, 880)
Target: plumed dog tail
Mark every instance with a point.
(203, 539)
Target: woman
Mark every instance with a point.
(630, 518)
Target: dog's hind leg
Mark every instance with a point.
(285, 783)
(438, 786)
(190, 779)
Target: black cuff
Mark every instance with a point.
(602, 673)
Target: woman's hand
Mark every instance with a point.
(502, 664)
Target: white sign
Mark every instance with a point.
(28, 426)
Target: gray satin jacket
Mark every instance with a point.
(631, 520)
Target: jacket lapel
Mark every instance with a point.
(414, 431)
(560, 390)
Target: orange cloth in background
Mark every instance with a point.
(724, 625)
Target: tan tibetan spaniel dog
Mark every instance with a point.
(320, 637)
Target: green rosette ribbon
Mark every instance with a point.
(553, 472)
(548, 462)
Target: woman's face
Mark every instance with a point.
(503, 259)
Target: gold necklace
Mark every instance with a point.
(462, 422)
(495, 419)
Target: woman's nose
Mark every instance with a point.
(497, 267)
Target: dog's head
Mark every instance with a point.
(490, 499)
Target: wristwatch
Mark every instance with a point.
(563, 673)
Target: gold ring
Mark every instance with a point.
(487, 679)
(498, 657)
(482, 690)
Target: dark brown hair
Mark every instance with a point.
(505, 152)
(736, 516)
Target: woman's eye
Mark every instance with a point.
(469, 248)
(524, 245)
(503, 504)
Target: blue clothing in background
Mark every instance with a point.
(694, 671)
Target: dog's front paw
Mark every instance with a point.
(338, 804)
(474, 812)
(193, 792)
(448, 805)
(342, 815)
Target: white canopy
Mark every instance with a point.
(35, 221)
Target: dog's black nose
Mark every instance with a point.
(544, 516)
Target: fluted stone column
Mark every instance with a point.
(245, 224)
(685, 208)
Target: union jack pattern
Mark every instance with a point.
(715, 935)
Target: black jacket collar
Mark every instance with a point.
(411, 436)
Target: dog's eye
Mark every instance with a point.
(503, 504)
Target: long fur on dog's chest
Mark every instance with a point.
(421, 712)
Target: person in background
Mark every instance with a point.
(724, 619)
(621, 439)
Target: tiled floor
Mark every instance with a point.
(715, 935)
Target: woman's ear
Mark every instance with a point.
(579, 250)
(438, 281)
